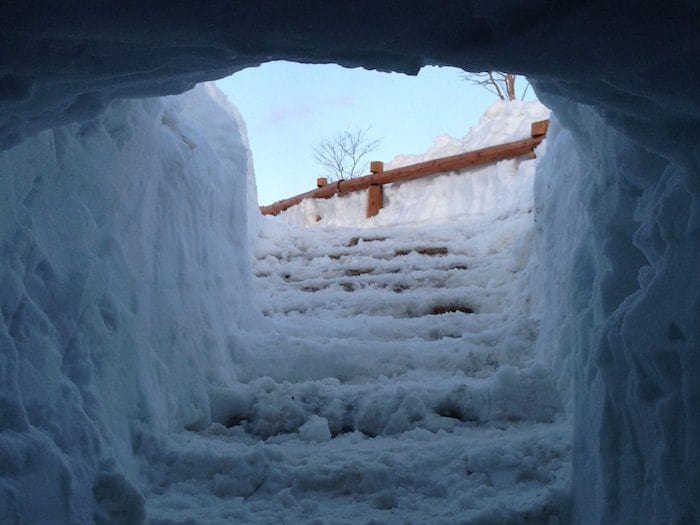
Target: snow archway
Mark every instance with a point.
(88, 234)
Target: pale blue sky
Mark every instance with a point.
(289, 108)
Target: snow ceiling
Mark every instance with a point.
(66, 61)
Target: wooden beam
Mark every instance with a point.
(325, 192)
(442, 165)
(375, 199)
(376, 166)
(423, 169)
(539, 128)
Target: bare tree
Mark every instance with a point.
(343, 156)
(500, 84)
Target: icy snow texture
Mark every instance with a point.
(361, 404)
(622, 282)
(124, 272)
(618, 223)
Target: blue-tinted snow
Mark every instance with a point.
(618, 224)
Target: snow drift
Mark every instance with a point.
(483, 192)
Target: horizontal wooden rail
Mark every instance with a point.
(422, 169)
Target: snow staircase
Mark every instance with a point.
(395, 385)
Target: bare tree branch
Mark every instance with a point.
(491, 81)
(525, 91)
(343, 155)
(500, 84)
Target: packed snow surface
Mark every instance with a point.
(397, 380)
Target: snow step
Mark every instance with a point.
(483, 329)
(291, 272)
(445, 309)
(361, 394)
(385, 298)
(511, 474)
(434, 402)
(378, 278)
(354, 241)
(354, 272)
(431, 251)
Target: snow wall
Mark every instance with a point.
(102, 307)
(618, 239)
(124, 278)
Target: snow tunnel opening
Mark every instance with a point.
(106, 271)
(439, 102)
(334, 264)
(351, 304)
(301, 133)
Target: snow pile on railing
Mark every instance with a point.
(496, 188)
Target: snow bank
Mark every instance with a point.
(503, 121)
(489, 190)
(124, 275)
(618, 238)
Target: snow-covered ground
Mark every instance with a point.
(396, 380)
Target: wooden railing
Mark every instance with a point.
(378, 178)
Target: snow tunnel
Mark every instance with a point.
(125, 284)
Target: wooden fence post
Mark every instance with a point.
(375, 193)
(539, 128)
(375, 199)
